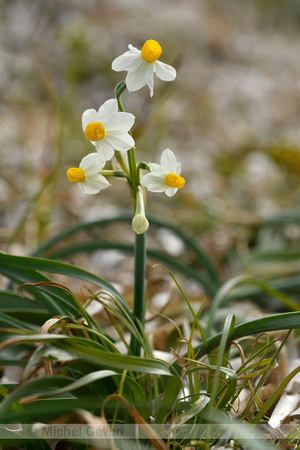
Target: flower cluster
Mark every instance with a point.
(108, 130)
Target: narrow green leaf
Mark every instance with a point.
(224, 294)
(7, 320)
(16, 440)
(83, 381)
(228, 328)
(195, 410)
(285, 321)
(267, 405)
(224, 346)
(219, 298)
(28, 317)
(94, 352)
(139, 398)
(26, 275)
(211, 282)
(289, 284)
(46, 265)
(231, 383)
(155, 254)
(46, 351)
(50, 409)
(224, 425)
(257, 372)
(11, 301)
(136, 364)
(283, 255)
(45, 382)
(166, 407)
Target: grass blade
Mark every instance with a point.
(285, 321)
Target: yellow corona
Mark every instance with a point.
(175, 181)
(75, 175)
(151, 51)
(94, 131)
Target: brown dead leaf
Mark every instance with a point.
(44, 283)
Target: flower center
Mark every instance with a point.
(175, 181)
(75, 175)
(94, 131)
(151, 51)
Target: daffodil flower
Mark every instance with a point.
(141, 66)
(108, 129)
(164, 177)
(87, 175)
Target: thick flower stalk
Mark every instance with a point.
(141, 66)
(87, 175)
(164, 177)
(108, 128)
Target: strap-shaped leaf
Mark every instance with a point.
(285, 321)
(93, 351)
(27, 264)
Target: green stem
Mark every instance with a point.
(140, 240)
(143, 165)
(113, 173)
(119, 158)
(133, 169)
(139, 287)
(134, 174)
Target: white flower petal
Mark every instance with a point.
(157, 168)
(168, 161)
(137, 79)
(164, 71)
(86, 189)
(129, 61)
(171, 191)
(134, 49)
(94, 184)
(150, 77)
(120, 121)
(89, 116)
(154, 182)
(92, 163)
(110, 107)
(104, 149)
(98, 179)
(121, 142)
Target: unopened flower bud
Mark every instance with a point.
(140, 224)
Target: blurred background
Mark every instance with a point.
(232, 116)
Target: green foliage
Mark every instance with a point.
(210, 278)
(71, 364)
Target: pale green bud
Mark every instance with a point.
(140, 224)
